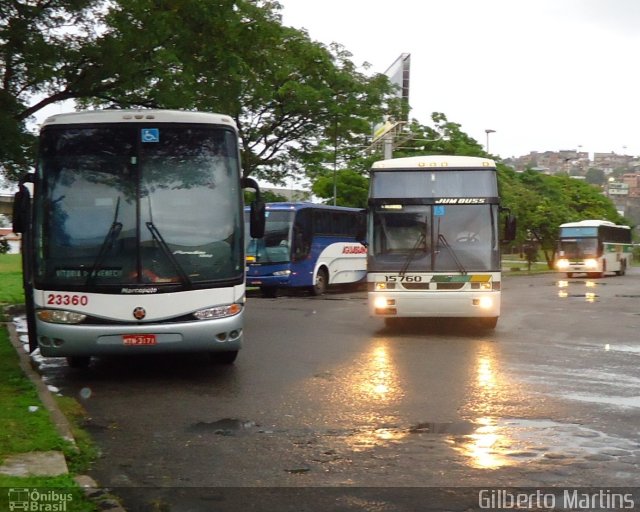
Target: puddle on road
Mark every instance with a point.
(499, 442)
(223, 427)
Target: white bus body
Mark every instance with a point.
(134, 242)
(433, 243)
(593, 247)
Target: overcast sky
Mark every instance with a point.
(544, 74)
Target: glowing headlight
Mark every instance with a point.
(380, 303)
(218, 312)
(591, 263)
(485, 302)
(282, 273)
(59, 316)
(562, 263)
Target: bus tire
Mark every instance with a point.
(228, 357)
(322, 280)
(78, 361)
(623, 268)
(269, 292)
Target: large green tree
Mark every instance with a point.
(230, 56)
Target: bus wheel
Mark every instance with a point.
(269, 292)
(228, 357)
(320, 286)
(78, 361)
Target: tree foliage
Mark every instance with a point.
(230, 56)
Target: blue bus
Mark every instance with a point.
(306, 245)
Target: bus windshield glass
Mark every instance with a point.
(427, 238)
(116, 209)
(275, 246)
(437, 183)
(578, 248)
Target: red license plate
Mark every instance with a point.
(139, 339)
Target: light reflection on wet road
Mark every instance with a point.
(323, 395)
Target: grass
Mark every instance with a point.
(11, 278)
(25, 424)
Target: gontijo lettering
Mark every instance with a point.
(354, 249)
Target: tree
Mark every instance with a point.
(352, 189)
(230, 56)
(4, 246)
(595, 177)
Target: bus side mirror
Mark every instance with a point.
(257, 215)
(361, 227)
(257, 219)
(509, 229)
(21, 208)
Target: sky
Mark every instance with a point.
(546, 75)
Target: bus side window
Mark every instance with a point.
(301, 235)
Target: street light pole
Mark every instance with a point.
(488, 131)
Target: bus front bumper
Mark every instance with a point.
(428, 304)
(219, 335)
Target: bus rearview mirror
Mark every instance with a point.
(21, 205)
(510, 226)
(257, 218)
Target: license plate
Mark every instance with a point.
(139, 339)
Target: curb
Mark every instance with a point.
(99, 496)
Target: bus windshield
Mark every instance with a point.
(578, 248)
(275, 246)
(117, 210)
(423, 183)
(427, 238)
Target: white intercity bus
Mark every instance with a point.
(133, 235)
(434, 239)
(593, 247)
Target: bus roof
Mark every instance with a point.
(138, 115)
(437, 161)
(592, 224)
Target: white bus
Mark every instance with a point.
(593, 247)
(433, 235)
(133, 235)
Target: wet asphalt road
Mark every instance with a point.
(324, 396)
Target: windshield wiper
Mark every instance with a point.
(412, 253)
(107, 244)
(167, 252)
(442, 239)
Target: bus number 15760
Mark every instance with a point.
(403, 279)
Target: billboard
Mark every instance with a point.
(399, 73)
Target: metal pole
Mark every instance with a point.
(488, 131)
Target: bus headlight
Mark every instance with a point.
(483, 302)
(282, 273)
(59, 316)
(562, 263)
(383, 302)
(218, 312)
(591, 263)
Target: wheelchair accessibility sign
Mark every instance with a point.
(45, 500)
(150, 135)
